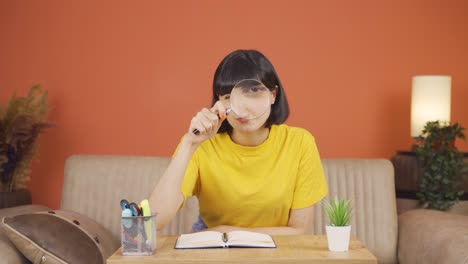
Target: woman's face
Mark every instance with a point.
(246, 125)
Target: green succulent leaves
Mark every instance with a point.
(338, 211)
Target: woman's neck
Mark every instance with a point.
(251, 139)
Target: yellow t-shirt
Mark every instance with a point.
(255, 186)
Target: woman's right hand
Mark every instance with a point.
(207, 122)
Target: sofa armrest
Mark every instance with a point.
(429, 236)
(8, 251)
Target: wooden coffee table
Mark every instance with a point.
(290, 249)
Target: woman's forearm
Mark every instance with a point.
(167, 197)
(300, 222)
(281, 230)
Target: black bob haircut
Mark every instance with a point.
(250, 64)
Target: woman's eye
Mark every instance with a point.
(257, 89)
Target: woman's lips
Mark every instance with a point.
(242, 120)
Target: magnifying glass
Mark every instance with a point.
(249, 99)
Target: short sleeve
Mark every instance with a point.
(190, 183)
(311, 185)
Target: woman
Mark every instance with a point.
(257, 175)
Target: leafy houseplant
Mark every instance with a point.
(442, 165)
(21, 122)
(338, 230)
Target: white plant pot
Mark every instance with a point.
(338, 237)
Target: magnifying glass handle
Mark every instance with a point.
(196, 131)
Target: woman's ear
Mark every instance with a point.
(221, 97)
(273, 94)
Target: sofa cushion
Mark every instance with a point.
(369, 183)
(430, 236)
(59, 237)
(8, 251)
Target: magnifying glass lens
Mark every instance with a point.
(250, 99)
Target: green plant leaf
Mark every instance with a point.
(442, 164)
(338, 211)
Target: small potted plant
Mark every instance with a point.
(22, 121)
(338, 229)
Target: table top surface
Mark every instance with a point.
(290, 249)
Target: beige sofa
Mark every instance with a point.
(94, 185)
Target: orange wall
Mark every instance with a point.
(126, 77)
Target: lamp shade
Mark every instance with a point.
(430, 101)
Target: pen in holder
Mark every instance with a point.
(138, 235)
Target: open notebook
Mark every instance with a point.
(213, 239)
